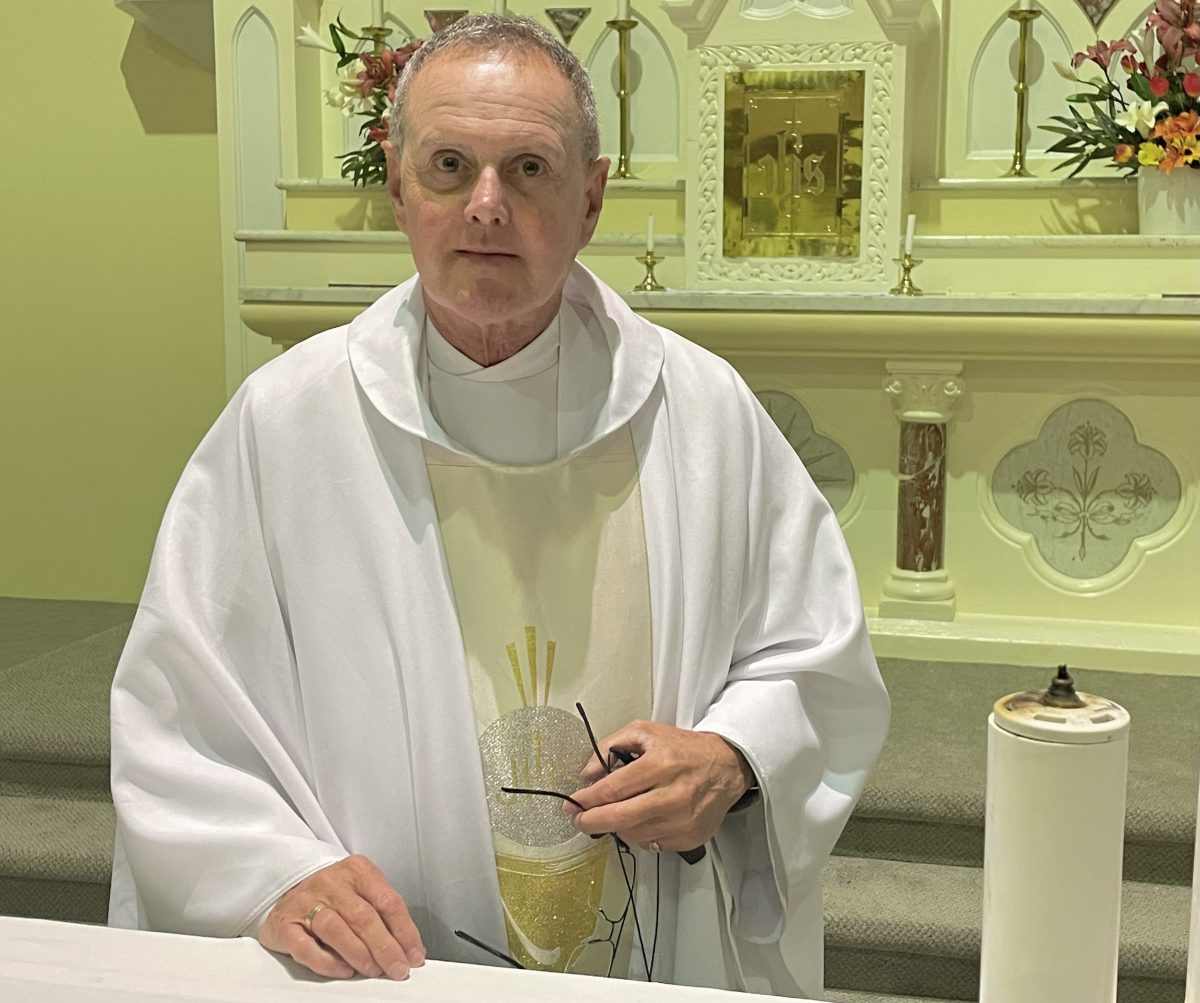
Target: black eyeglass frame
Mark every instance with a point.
(692, 856)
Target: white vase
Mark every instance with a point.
(1168, 202)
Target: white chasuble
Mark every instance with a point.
(548, 568)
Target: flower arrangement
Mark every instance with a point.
(366, 86)
(1154, 121)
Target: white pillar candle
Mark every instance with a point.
(622, 10)
(908, 236)
(377, 13)
(500, 6)
(649, 234)
(1055, 791)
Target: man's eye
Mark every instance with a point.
(531, 168)
(447, 162)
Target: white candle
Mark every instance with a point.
(500, 6)
(908, 236)
(377, 13)
(649, 234)
(622, 10)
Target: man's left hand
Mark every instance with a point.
(675, 793)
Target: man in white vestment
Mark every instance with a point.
(347, 718)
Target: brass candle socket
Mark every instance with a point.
(623, 26)
(378, 36)
(649, 284)
(1024, 18)
(906, 288)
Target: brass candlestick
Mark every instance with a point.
(1024, 18)
(623, 26)
(906, 288)
(378, 36)
(649, 284)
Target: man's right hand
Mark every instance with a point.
(363, 925)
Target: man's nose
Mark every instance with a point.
(486, 205)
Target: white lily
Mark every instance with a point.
(1139, 116)
(347, 96)
(308, 37)
(1066, 72)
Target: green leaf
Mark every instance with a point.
(1140, 86)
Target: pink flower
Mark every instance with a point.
(377, 71)
(1191, 84)
(404, 54)
(379, 133)
(1102, 53)
(1177, 23)
(1159, 86)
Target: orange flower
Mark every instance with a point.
(1171, 159)
(1159, 86)
(1191, 84)
(1185, 124)
(1124, 153)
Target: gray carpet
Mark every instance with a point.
(903, 895)
(30, 627)
(924, 800)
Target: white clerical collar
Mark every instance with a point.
(536, 357)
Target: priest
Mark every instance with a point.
(498, 623)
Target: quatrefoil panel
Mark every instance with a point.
(828, 464)
(1086, 489)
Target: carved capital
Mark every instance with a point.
(924, 391)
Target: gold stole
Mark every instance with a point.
(548, 565)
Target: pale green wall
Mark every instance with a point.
(111, 350)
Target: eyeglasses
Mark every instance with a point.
(626, 859)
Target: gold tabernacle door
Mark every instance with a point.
(793, 163)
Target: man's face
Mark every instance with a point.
(491, 188)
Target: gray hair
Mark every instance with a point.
(504, 33)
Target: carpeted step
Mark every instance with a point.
(851, 996)
(924, 799)
(32, 627)
(55, 857)
(914, 928)
(54, 718)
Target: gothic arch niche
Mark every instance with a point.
(1136, 25)
(991, 104)
(654, 93)
(258, 144)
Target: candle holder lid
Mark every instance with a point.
(1061, 714)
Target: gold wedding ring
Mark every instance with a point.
(308, 916)
(654, 846)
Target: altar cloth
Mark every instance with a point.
(42, 961)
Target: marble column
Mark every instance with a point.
(923, 395)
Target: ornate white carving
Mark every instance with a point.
(874, 257)
(924, 392)
(1086, 499)
(765, 10)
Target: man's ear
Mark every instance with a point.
(597, 179)
(393, 184)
